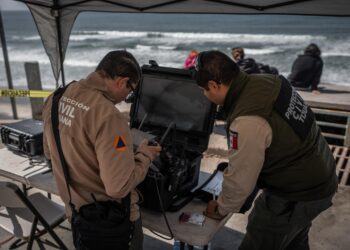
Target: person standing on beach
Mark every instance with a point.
(97, 143)
(274, 143)
(307, 69)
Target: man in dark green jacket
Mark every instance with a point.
(273, 143)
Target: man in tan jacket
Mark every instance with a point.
(96, 139)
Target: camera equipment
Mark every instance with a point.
(170, 106)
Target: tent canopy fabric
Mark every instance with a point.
(55, 18)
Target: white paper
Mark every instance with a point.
(138, 136)
(215, 185)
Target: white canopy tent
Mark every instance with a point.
(55, 18)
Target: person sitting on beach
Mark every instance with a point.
(267, 69)
(307, 69)
(249, 65)
(191, 59)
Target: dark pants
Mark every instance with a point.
(137, 240)
(278, 224)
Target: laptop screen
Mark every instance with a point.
(177, 100)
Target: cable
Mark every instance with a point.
(164, 215)
(220, 167)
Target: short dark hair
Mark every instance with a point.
(217, 66)
(119, 63)
(312, 49)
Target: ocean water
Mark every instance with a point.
(273, 40)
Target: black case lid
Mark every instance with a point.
(171, 95)
(29, 127)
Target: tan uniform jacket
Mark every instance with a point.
(250, 137)
(97, 146)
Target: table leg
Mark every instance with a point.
(24, 187)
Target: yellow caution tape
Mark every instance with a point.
(25, 93)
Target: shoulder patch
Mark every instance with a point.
(234, 140)
(119, 144)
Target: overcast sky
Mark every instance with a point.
(12, 5)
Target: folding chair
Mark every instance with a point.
(29, 217)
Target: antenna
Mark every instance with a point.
(143, 121)
(171, 125)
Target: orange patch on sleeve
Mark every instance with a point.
(119, 144)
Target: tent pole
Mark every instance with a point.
(58, 24)
(7, 66)
(59, 37)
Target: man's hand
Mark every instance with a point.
(212, 210)
(151, 151)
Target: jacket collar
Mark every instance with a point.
(233, 93)
(95, 81)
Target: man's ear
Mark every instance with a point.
(122, 81)
(213, 85)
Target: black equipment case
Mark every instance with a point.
(169, 104)
(24, 136)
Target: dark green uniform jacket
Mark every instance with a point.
(299, 165)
